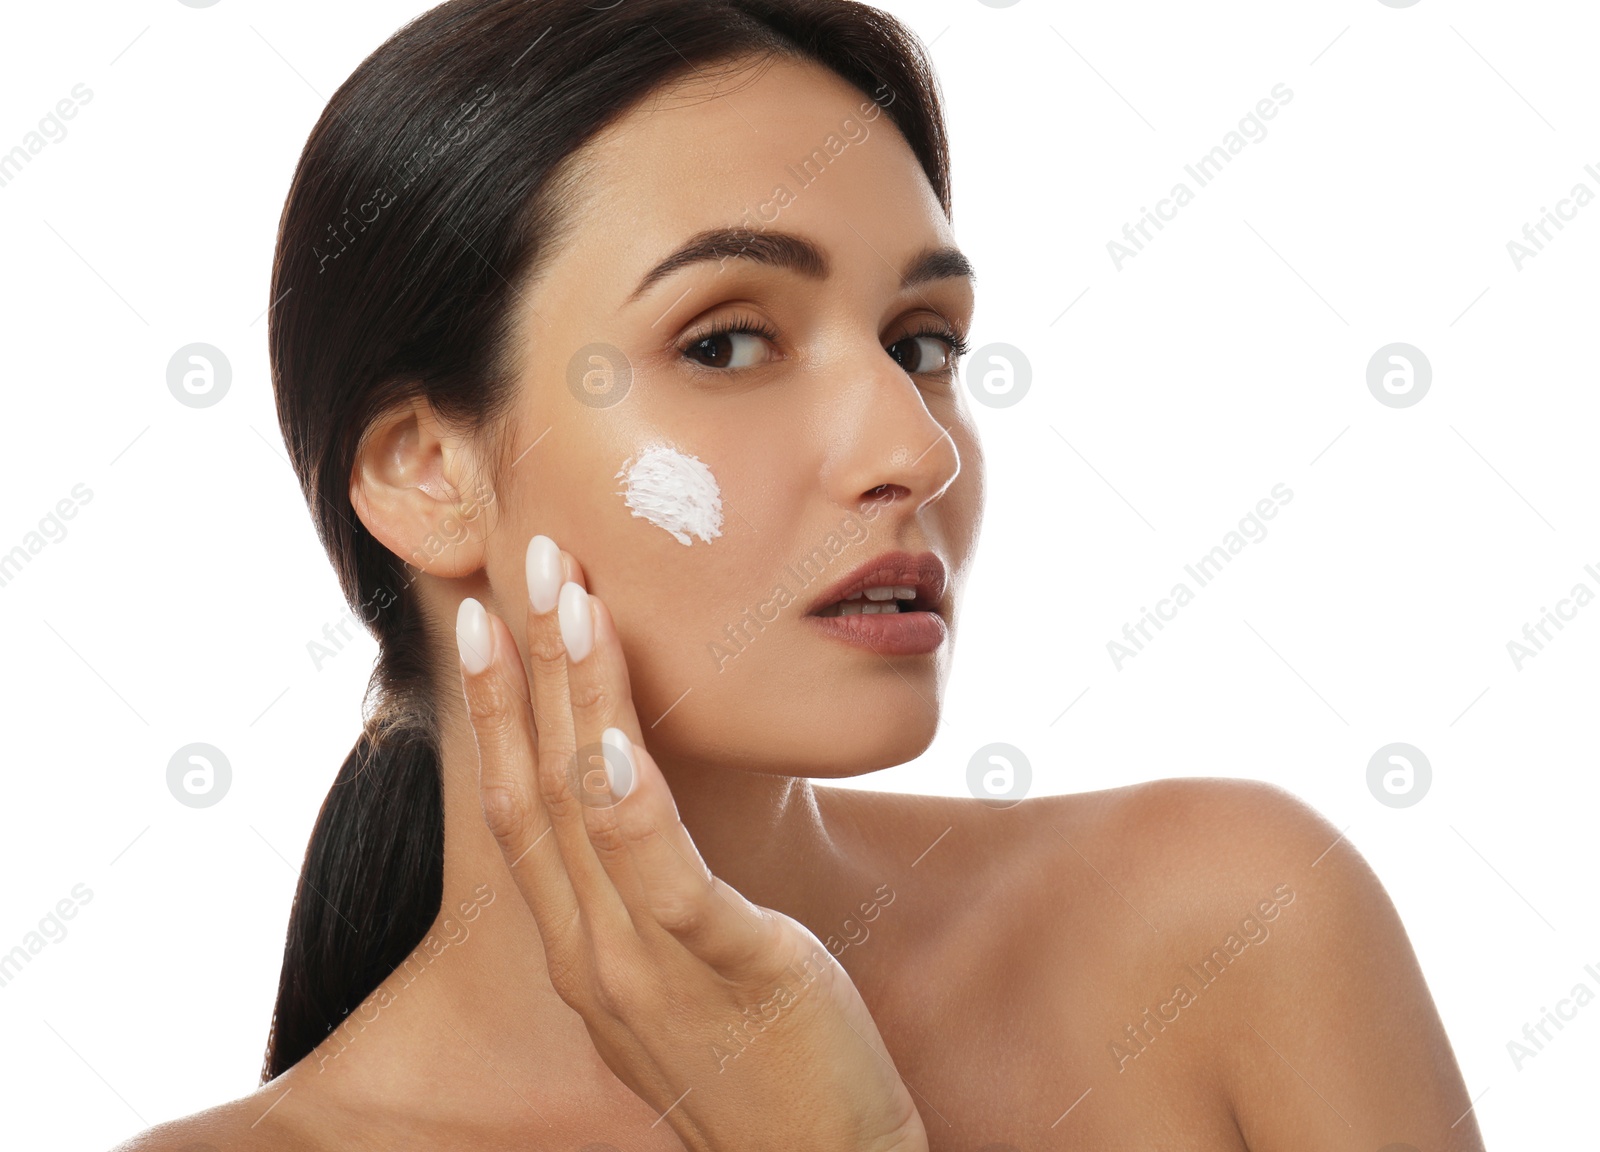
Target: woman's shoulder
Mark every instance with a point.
(1130, 889)
(1104, 895)
(215, 1128)
(299, 1111)
(1178, 855)
(1147, 824)
(1168, 858)
(250, 1123)
(1187, 814)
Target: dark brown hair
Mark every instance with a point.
(434, 183)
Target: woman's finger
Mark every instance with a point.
(646, 860)
(602, 692)
(597, 683)
(683, 899)
(573, 571)
(632, 819)
(636, 832)
(496, 694)
(560, 774)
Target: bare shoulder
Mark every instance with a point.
(1132, 872)
(1196, 835)
(1183, 811)
(1134, 883)
(1236, 905)
(1174, 841)
(241, 1125)
(1174, 869)
(1213, 943)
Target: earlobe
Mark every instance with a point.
(409, 488)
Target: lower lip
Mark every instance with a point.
(887, 633)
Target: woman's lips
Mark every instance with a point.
(887, 633)
(913, 627)
(924, 573)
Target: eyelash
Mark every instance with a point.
(956, 340)
(745, 324)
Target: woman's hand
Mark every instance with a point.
(730, 1019)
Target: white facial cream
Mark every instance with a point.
(674, 492)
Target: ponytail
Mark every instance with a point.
(370, 888)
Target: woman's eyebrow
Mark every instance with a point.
(796, 253)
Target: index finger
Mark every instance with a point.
(496, 695)
(558, 774)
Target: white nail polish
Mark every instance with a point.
(472, 635)
(618, 739)
(544, 573)
(577, 625)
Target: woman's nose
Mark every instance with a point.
(887, 444)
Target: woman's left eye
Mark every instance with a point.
(929, 352)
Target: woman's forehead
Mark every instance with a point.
(796, 149)
(723, 146)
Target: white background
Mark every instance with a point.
(1167, 398)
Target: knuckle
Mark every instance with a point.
(509, 812)
(489, 704)
(546, 652)
(567, 976)
(555, 788)
(639, 830)
(683, 914)
(613, 999)
(562, 806)
(616, 984)
(611, 844)
(501, 741)
(589, 695)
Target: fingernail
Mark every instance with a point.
(577, 626)
(544, 573)
(618, 739)
(472, 635)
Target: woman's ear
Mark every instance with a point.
(416, 486)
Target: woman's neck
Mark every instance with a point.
(469, 1031)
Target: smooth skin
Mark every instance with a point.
(661, 959)
(1003, 954)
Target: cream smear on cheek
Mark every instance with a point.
(674, 492)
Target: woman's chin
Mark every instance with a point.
(868, 742)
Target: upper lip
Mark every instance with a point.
(923, 571)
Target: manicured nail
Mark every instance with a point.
(472, 635)
(618, 739)
(544, 573)
(577, 626)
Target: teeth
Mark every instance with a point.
(866, 608)
(872, 601)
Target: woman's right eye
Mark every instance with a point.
(731, 345)
(727, 350)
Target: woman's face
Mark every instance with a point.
(833, 438)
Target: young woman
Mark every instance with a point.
(615, 346)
